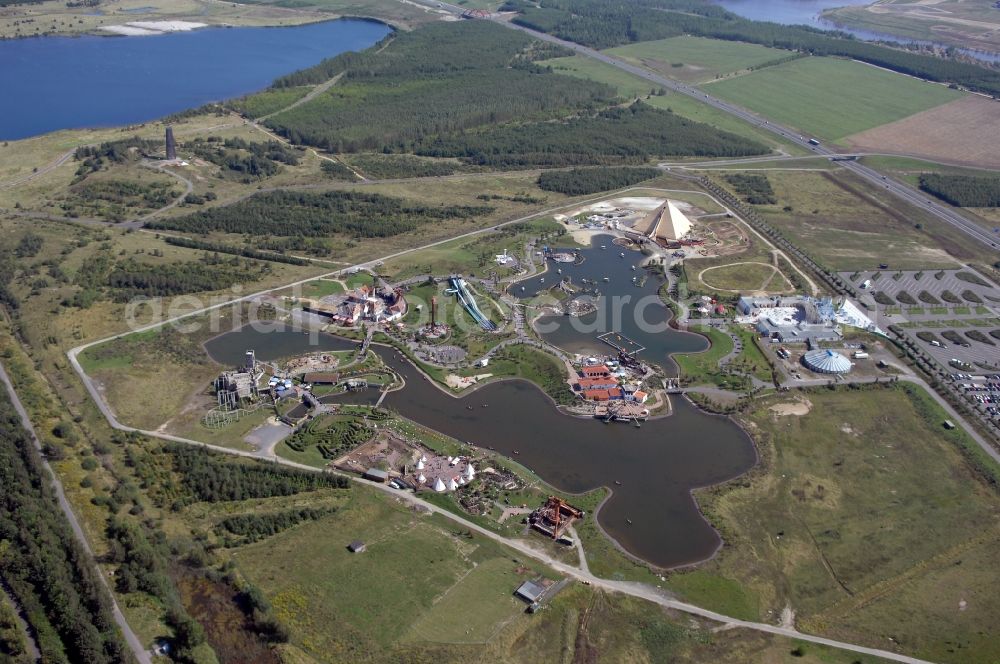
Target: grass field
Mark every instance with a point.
(864, 518)
(417, 573)
(743, 277)
(846, 224)
(697, 59)
(831, 98)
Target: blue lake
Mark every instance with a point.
(52, 83)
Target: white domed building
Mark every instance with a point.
(826, 361)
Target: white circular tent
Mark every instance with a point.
(826, 361)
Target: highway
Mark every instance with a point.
(899, 189)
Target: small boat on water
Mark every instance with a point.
(606, 279)
(622, 254)
(628, 521)
(603, 247)
(618, 482)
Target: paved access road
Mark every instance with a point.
(135, 645)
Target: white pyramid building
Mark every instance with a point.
(452, 484)
(470, 473)
(666, 223)
(439, 486)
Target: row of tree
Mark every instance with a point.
(254, 527)
(579, 181)
(311, 214)
(222, 248)
(963, 190)
(209, 477)
(45, 567)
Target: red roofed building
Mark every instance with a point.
(602, 395)
(598, 370)
(596, 383)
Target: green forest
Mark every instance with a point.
(101, 276)
(614, 136)
(43, 565)
(578, 181)
(209, 477)
(753, 188)
(245, 160)
(963, 190)
(602, 24)
(424, 83)
(311, 214)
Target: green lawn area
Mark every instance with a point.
(866, 516)
(829, 97)
(698, 368)
(321, 288)
(451, 621)
(700, 59)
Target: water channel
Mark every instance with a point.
(52, 83)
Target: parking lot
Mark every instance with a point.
(985, 391)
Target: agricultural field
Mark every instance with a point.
(831, 98)
(696, 59)
(632, 87)
(863, 518)
(952, 133)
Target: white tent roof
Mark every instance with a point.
(422, 479)
(826, 361)
(470, 472)
(439, 485)
(452, 484)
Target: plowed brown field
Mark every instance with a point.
(964, 131)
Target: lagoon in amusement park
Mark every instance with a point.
(651, 469)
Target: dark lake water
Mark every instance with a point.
(51, 83)
(623, 307)
(658, 464)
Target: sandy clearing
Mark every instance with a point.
(797, 408)
(461, 382)
(144, 28)
(959, 132)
